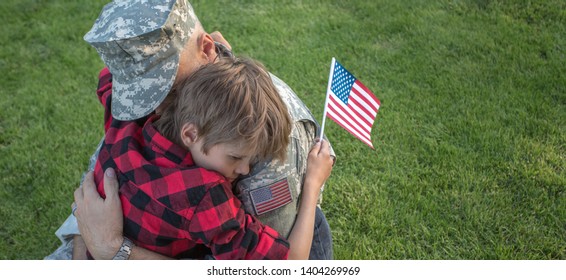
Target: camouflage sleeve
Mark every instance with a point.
(272, 190)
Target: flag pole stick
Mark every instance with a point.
(327, 94)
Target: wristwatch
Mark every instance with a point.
(125, 250)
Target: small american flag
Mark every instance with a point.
(351, 104)
(271, 197)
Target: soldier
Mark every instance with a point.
(190, 46)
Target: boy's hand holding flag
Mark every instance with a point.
(349, 103)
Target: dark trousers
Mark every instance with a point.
(321, 248)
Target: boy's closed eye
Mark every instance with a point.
(236, 158)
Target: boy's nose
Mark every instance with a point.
(243, 169)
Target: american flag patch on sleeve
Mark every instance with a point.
(271, 197)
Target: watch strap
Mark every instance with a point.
(125, 250)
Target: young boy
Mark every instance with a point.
(175, 168)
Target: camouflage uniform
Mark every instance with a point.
(143, 76)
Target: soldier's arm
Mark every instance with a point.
(79, 248)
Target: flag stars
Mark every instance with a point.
(342, 82)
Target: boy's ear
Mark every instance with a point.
(207, 46)
(189, 134)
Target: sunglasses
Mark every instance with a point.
(222, 51)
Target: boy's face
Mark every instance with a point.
(229, 160)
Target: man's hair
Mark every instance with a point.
(232, 101)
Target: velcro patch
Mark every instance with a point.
(271, 197)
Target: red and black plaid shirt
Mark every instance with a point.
(172, 206)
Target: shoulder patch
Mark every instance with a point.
(271, 197)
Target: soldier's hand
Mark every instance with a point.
(100, 220)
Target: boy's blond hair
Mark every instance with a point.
(231, 101)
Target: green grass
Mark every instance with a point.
(470, 139)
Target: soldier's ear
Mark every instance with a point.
(207, 47)
(189, 134)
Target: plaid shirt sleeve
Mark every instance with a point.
(220, 222)
(104, 93)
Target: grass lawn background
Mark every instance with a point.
(470, 140)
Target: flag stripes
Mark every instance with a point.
(358, 115)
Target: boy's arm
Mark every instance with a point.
(301, 235)
(100, 222)
(104, 94)
(104, 88)
(220, 223)
(318, 170)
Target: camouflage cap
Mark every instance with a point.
(141, 42)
